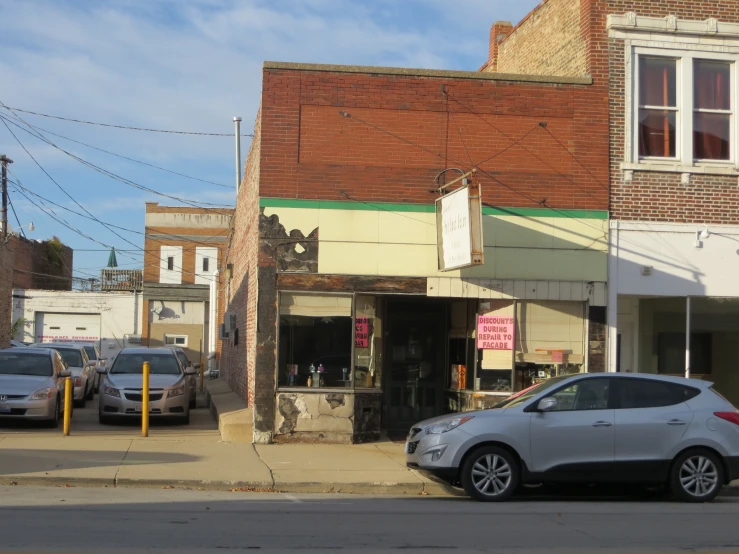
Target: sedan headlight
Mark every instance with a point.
(110, 391)
(446, 425)
(178, 391)
(42, 394)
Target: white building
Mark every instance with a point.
(674, 301)
(111, 318)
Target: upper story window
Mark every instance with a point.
(684, 108)
(658, 111)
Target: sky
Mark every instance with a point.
(182, 65)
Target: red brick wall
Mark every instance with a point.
(35, 268)
(6, 291)
(653, 196)
(240, 293)
(404, 130)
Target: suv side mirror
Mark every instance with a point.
(101, 370)
(91, 363)
(191, 371)
(65, 373)
(548, 404)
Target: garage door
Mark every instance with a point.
(57, 327)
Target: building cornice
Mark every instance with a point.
(630, 22)
(415, 72)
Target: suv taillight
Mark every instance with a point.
(731, 417)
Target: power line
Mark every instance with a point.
(126, 126)
(99, 169)
(126, 157)
(16, 217)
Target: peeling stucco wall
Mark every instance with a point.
(314, 417)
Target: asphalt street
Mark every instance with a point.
(118, 520)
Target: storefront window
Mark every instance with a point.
(550, 340)
(315, 340)
(367, 342)
(495, 341)
(661, 337)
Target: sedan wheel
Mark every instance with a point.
(697, 476)
(490, 474)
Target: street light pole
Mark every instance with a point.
(5, 161)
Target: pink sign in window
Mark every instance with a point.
(494, 332)
(361, 332)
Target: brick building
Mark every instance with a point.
(42, 265)
(335, 262)
(183, 271)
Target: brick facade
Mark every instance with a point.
(238, 362)
(660, 196)
(403, 129)
(189, 228)
(42, 265)
(547, 42)
(6, 293)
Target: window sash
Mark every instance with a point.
(686, 111)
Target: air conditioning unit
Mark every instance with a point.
(229, 320)
(222, 333)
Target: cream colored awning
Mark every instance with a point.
(315, 305)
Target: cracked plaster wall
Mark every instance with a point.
(326, 416)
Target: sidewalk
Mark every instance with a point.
(195, 457)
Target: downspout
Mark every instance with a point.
(213, 321)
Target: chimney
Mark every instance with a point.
(498, 32)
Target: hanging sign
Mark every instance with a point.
(459, 228)
(361, 332)
(494, 332)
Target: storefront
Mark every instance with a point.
(351, 366)
(675, 305)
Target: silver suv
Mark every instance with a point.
(590, 428)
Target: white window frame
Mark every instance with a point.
(166, 275)
(211, 253)
(174, 339)
(685, 54)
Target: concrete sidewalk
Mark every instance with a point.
(196, 457)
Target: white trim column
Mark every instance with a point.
(612, 304)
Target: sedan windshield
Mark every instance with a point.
(529, 393)
(25, 364)
(133, 364)
(91, 354)
(72, 358)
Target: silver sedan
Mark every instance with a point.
(121, 393)
(32, 384)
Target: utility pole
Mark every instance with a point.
(237, 132)
(5, 161)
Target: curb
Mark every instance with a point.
(379, 489)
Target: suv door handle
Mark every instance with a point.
(602, 424)
(676, 422)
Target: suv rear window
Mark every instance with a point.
(645, 393)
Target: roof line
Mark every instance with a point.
(415, 72)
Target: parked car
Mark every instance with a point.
(121, 390)
(83, 369)
(32, 384)
(192, 380)
(15, 343)
(591, 428)
(93, 353)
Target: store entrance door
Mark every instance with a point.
(415, 359)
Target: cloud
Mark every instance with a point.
(192, 66)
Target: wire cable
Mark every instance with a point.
(16, 217)
(125, 126)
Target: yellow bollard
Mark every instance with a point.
(145, 402)
(68, 388)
